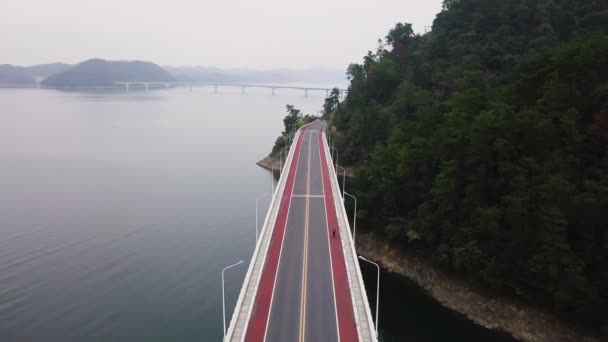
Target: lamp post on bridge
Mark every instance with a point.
(272, 173)
(280, 163)
(354, 217)
(256, 216)
(329, 139)
(337, 155)
(343, 180)
(293, 132)
(271, 179)
(283, 150)
(377, 290)
(224, 296)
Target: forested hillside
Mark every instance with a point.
(99, 72)
(483, 145)
(14, 76)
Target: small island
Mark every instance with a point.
(103, 73)
(12, 76)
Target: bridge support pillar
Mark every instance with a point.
(306, 92)
(326, 92)
(127, 87)
(147, 86)
(272, 91)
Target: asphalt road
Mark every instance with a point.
(303, 294)
(303, 305)
(296, 298)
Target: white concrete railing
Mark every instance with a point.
(363, 316)
(244, 305)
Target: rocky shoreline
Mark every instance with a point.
(503, 314)
(272, 164)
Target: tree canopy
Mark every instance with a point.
(291, 122)
(483, 145)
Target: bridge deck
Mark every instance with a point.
(304, 283)
(206, 84)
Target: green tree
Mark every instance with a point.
(332, 102)
(481, 146)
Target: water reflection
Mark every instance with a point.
(408, 313)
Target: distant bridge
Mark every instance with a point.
(129, 84)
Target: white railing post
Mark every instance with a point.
(343, 180)
(256, 215)
(354, 218)
(377, 290)
(223, 294)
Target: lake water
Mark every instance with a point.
(119, 210)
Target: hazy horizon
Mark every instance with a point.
(234, 69)
(263, 35)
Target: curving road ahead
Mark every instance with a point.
(303, 293)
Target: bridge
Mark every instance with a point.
(127, 85)
(304, 282)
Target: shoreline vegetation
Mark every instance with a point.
(480, 149)
(270, 163)
(523, 322)
(480, 153)
(292, 122)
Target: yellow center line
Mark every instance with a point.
(305, 250)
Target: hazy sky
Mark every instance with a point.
(228, 33)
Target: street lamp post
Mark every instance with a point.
(224, 296)
(354, 217)
(283, 150)
(377, 290)
(293, 133)
(343, 180)
(271, 179)
(281, 157)
(256, 216)
(272, 173)
(337, 155)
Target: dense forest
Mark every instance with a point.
(483, 146)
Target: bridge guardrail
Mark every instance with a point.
(242, 312)
(365, 326)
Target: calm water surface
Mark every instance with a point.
(118, 212)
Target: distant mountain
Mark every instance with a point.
(46, 70)
(14, 76)
(277, 76)
(100, 73)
